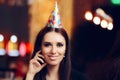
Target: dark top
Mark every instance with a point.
(75, 75)
(114, 71)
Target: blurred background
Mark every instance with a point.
(92, 25)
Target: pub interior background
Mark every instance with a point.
(93, 45)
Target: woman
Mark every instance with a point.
(51, 56)
(44, 42)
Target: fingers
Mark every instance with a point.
(39, 57)
(35, 66)
(37, 63)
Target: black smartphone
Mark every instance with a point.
(41, 61)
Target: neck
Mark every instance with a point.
(53, 73)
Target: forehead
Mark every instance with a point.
(53, 36)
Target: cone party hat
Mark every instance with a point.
(54, 19)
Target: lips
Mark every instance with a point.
(53, 57)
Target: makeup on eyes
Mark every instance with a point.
(58, 44)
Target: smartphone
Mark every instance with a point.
(42, 59)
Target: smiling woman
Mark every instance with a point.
(51, 56)
(51, 46)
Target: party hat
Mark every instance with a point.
(54, 19)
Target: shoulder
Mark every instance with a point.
(76, 75)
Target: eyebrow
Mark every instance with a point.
(56, 42)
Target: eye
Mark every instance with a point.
(47, 44)
(59, 44)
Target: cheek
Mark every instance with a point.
(45, 50)
(62, 51)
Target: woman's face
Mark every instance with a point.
(53, 48)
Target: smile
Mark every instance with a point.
(53, 57)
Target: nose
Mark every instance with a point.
(53, 51)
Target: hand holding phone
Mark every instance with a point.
(37, 63)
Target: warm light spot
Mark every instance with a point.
(100, 12)
(22, 49)
(104, 24)
(110, 26)
(96, 20)
(88, 15)
(28, 47)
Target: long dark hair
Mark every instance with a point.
(65, 65)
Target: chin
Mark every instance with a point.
(53, 63)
